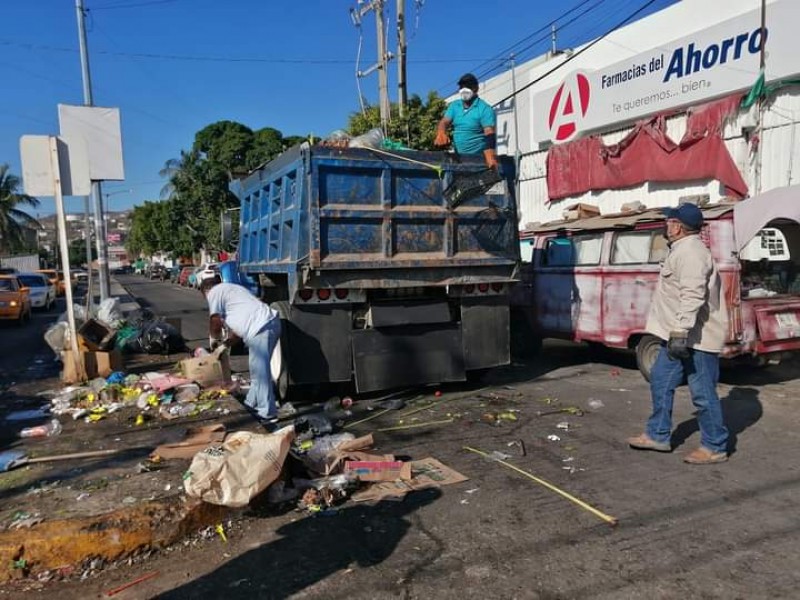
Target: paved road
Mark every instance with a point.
(723, 531)
(168, 300)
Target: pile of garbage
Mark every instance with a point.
(374, 139)
(154, 395)
(105, 328)
(310, 464)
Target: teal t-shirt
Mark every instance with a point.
(469, 123)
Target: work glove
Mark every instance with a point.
(678, 345)
(442, 139)
(490, 156)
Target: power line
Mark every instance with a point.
(503, 55)
(221, 59)
(572, 57)
(132, 4)
(519, 54)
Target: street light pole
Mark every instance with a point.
(97, 195)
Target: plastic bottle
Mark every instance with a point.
(48, 430)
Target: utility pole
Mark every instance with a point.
(383, 76)
(97, 196)
(402, 93)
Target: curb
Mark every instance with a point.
(64, 544)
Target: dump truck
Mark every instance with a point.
(386, 268)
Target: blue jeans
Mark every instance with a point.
(261, 396)
(701, 370)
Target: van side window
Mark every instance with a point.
(638, 247)
(575, 250)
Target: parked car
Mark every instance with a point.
(206, 271)
(174, 272)
(156, 272)
(8, 271)
(15, 301)
(183, 277)
(56, 278)
(124, 270)
(80, 276)
(592, 279)
(42, 292)
(192, 279)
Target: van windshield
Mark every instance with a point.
(771, 261)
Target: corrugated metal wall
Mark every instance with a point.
(780, 165)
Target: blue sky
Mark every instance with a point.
(288, 65)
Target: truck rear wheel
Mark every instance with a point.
(278, 365)
(646, 353)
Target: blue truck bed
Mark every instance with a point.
(374, 219)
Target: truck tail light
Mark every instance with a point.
(323, 294)
(306, 295)
(497, 286)
(483, 287)
(341, 294)
(469, 289)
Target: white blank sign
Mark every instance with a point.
(38, 178)
(100, 128)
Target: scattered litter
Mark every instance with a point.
(495, 455)
(519, 444)
(607, 518)
(220, 530)
(28, 415)
(568, 459)
(426, 473)
(596, 404)
(464, 501)
(50, 429)
(570, 410)
(553, 438)
(83, 496)
(472, 491)
(244, 465)
(128, 500)
(130, 584)
(563, 425)
(416, 425)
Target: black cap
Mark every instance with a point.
(688, 214)
(468, 81)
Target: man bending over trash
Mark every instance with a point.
(245, 316)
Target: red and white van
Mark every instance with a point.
(592, 279)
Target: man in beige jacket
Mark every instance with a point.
(688, 313)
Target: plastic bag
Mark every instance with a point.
(242, 467)
(372, 139)
(110, 313)
(57, 336)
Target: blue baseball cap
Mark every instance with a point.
(688, 214)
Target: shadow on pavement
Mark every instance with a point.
(311, 550)
(741, 408)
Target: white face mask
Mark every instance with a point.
(466, 94)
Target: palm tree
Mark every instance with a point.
(13, 221)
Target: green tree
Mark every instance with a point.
(416, 128)
(13, 221)
(77, 252)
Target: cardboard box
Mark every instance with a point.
(211, 369)
(379, 470)
(425, 473)
(98, 364)
(95, 336)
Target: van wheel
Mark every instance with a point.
(646, 353)
(278, 364)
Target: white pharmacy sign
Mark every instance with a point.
(708, 64)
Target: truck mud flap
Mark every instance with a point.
(396, 357)
(318, 344)
(486, 332)
(409, 312)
